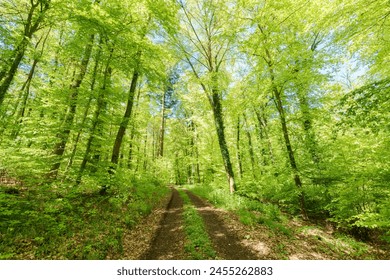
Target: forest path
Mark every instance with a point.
(168, 243)
(169, 240)
(161, 236)
(227, 244)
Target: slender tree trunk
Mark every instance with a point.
(145, 162)
(282, 115)
(310, 140)
(125, 120)
(122, 128)
(290, 151)
(162, 127)
(25, 90)
(132, 133)
(63, 136)
(86, 111)
(30, 27)
(101, 103)
(264, 137)
(219, 125)
(250, 147)
(238, 147)
(195, 151)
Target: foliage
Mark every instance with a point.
(62, 223)
(285, 102)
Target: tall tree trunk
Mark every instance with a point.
(282, 115)
(145, 162)
(30, 27)
(25, 90)
(162, 127)
(310, 140)
(250, 146)
(125, 120)
(219, 125)
(290, 151)
(264, 136)
(101, 103)
(63, 136)
(132, 134)
(122, 128)
(238, 147)
(87, 108)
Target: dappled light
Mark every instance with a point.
(210, 129)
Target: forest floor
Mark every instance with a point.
(162, 236)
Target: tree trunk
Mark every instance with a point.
(162, 127)
(125, 120)
(30, 27)
(250, 147)
(290, 151)
(74, 91)
(132, 134)
(101, 103)
(86, 112)
(219, 125)
(282, 115)
(238, 147)
(122, 128)
(264, 137)
(310, 140)
(26, 93)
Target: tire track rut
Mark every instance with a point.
(225, 242)
(169, 240)
(168, 243)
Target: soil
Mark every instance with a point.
(168, 243)
(227, 244)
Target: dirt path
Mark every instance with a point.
(169, 240)
(226, 242)
(168, 243)
(162, 237)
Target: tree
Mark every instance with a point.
(205, 41)
(35, 17)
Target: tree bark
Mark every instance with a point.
(239, 162)
(310, 140)
(63, 136)
(162, 127)
(101, 104)
(125, 119)
(264, 136)
(219, 125)
(132, 134)
(122, 128)
(30, 27)
(290, 151)
(250, 147)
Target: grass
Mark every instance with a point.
(249, 211)
(198, 244)
(58, 222)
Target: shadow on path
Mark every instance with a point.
(226, 243)
(168, 243)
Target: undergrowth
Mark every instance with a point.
(284, 231)
(59, 221)
(198, 244)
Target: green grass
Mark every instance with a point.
(58, 222)
(198, 244)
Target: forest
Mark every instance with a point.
(277, 111)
